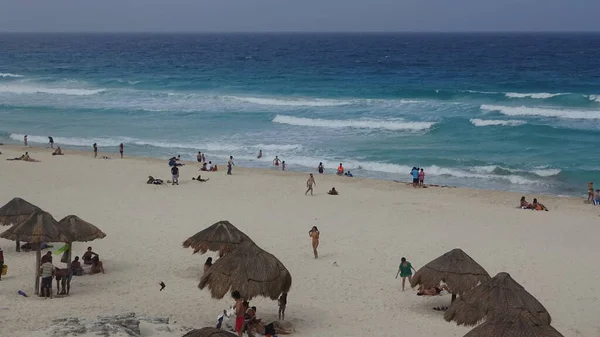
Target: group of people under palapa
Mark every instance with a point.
(63, 278)
(246, 320)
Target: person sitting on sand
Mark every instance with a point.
(207, 264)
(97, 266)
(524, 204)
(203, 168)
(270, 329)
(433, 291)
(153, 181)
(348, 174)
(215, 168)
(76, 267)
(200, 179)
(88, 256)
(340, 170)
(332, 191)
(209, 166)
(535, 205)
(57, 152)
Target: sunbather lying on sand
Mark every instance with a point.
(153, 181)
(273, 328)
(200, 179)
(332, 191)
(24, 157)
(434, 291)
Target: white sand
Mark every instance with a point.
(366, 229)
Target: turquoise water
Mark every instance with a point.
(509, 112)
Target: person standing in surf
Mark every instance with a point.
(230, 165)
(121, 150)
(421, 177)
(25, 140)
(276, 161)
(51, 142)
(95, 146)
(259, 154)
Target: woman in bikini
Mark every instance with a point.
(314, 234)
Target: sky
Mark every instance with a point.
(298, 15)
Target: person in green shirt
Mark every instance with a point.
(405, 270)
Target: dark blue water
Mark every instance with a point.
(512, 112)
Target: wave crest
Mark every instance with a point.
(542, 112)
(11, 75)
(496, 122)
(355, 124)
(290, 102)
(24, 89)
(538, 95)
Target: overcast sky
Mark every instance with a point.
(298, 15)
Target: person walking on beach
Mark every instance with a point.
(314, 235)
(283, 165)
(175, 174)
(95, 146)
(421, 177)
(405, 270)
(259, 154)
(239, 312)
(25, 140)
(51, 142)
(309, 184)
(230, 165)
(276, 161)
(121, 150)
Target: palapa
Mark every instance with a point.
(222, 236)
(249, 270)
(455, 268)
(518, 322)
(494, 297)
(78, 230)
(209, 332)
(39, 228)
(16, 211)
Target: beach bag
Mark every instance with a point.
(4, 269)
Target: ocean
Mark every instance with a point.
(515, 112)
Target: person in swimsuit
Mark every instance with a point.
(309, 184)
(276, 161)
(25, 140)
(95, 146)
(259, 154)
(597, 198)
(432, 291)
(340, 170)
(283, 165)
(405, 271)
(239, 312)
(421, 177)
(230, 165)
(200, 179)
(57, 152)
(88, 255)
(51, 142)
(76, 267)
(97, 266)
(314, 235)
(535, 205)
(199, 157)
(590, 192)
(332, 191)
(321, 168)
(282, 302)
(524, 204)
(121, 146)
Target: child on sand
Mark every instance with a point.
(239, 312)
(405, 271)
(314, 235)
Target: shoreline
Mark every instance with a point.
(381, 183)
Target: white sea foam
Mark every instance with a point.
(10, 75)
(543, 112)
(539, 171)
(594, 98)
(26, 89)
(290, 102)
(537, 95)
(546, 172)
(496, 122)
(356, 124)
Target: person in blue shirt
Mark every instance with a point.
(415, 176)
(348, 174)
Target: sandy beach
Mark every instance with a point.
(349, 291)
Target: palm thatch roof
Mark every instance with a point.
(38, 228)
(455, 268)
(16, 211)
(209, 332)
(518, 322)
(496, 296)
(249, 270)
(221, 236)
(80, 230)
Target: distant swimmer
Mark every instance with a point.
(276, 161)
(309, 184)
(259, 154)
(321, 168)
(51, 142)
(121, 150)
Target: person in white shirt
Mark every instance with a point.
(47, 273)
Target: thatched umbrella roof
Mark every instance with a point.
(455, 268)
(249, 270)
(518, 322)
(80, 230)
(220, 236)
(38, 228)
(496, 296)
(209, 332)
(16, 211)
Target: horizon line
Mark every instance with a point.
(314, 32)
